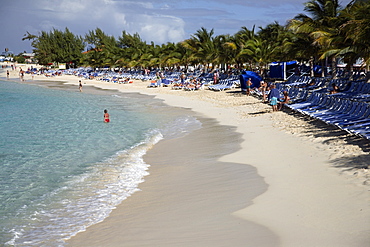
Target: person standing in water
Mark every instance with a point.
(80, 86)
(21, 74)
(106, 116)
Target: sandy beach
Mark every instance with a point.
(249, 177)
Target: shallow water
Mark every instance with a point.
(62, 168)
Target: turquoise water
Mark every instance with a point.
(62, 168)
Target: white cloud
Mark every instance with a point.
(47, 25)
(120, 19)
(160, 29)
(109, 1)
(75, 10)
(160, 21)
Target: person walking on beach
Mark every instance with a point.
(273, 97)
(80, 85)
(7, 74)
(106, 116)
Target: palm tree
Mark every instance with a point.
(261, 51)
(102, 48)
(241, 38)
(202, 44)
(356, 31)
(227, 49)
(278, 37)
(322, 25)
(186, 56)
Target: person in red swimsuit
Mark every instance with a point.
(106, 116)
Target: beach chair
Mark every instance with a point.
(352, 122)
(193, 87)
(218, 87)
(178, 86)
(316, 104)
(313, 99)
(352, 112)
(155, 83)
(166, 82)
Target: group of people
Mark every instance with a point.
(22, 72)
(275, 100)
(273, 96)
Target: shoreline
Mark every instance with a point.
(311, 200)
(187, 200)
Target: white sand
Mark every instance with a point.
(317, 193)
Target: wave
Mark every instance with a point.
(85, 200)
(181, 126)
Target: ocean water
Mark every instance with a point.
(62, 168)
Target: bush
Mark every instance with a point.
(20, 59)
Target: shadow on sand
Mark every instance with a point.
(333, 134)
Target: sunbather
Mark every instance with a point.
(335, 89)
(284, 100)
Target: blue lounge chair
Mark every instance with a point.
(155, 83)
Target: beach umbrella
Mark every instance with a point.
(243, 79)
(255, 78)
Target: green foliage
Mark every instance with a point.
(333, 32)
(57, 46)
(327, 31)
(19, 58)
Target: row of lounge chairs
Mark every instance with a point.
(348, 109)
(296, 80)
(223, 85)
(348, 115)
(188, 86)
(356, 90)
(314, 83)
(171, 78)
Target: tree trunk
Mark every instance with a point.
(311, 66)
(333, 67)
(324, 65)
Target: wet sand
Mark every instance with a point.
(188, 199)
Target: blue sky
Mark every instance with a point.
(160, 21)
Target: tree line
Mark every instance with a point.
(327, 32)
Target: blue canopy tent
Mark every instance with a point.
(243, 80)
(276, 70)
(255, 78)
(280, 70)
